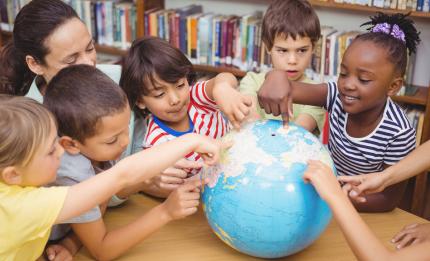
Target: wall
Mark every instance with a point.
(340, 19)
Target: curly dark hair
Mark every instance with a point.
(396, 49)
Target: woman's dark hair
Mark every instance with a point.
(148, 58)
(34, 23)
(396, 48)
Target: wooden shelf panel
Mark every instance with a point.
(110, 50)
(198, 67)
(218, 69)
(419, 98)
(365, 9)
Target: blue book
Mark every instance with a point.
(420, 4)
(183, 13)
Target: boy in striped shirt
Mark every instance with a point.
(156, 78)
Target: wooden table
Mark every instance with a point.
(192, 239)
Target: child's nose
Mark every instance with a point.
(292, 59)
(174, 99)
(124, 140)
(349, 85)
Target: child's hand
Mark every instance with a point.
(58, 253)
(184, 200)
(235, 106)
(411, 235)
(323, 179)
(175, 176)
(358, 186)
(275, 96)
(210, 149)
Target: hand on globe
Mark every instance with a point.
(173, 177)
(184, 200)
(275, 95)
(323, 179)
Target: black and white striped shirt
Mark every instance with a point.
(391, 140)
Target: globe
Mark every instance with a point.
(256, 200)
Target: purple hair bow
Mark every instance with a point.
(393, 30)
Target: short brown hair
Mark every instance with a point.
(24, 126)
(290, 18)
(79, 96)
(150, 57)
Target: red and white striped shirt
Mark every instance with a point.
(204, 115)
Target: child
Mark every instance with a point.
(360, 238)
(156, 77)
(368, 131)
(29, 158)
(416, 162)
(93, 115)
(290, 42)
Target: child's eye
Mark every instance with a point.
(341, 74)
(181, 85)
(302, 50)
(159, 95)
(364, 81)
(112, 141)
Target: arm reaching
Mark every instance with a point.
(360, 185)
(134, 169)
(223, 89)
(170, 179)
(383, 201)
(277, 94)
(360, 238)
(107, 245)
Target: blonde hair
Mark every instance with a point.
(24, 126)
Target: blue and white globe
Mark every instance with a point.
(256, 200)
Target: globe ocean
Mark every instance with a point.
(256, 200)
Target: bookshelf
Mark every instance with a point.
(420, 98)
(330, 4)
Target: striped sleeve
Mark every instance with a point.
(200, 98)
(154, 135)
(400, 146)
(331, 96)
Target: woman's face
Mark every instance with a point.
(69, 44)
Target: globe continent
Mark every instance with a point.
(256, 200)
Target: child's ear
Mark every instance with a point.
(33, 65)
(11, 176)
(395, 86)
(69, 145)
(140, 104)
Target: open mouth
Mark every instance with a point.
(350, 98)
